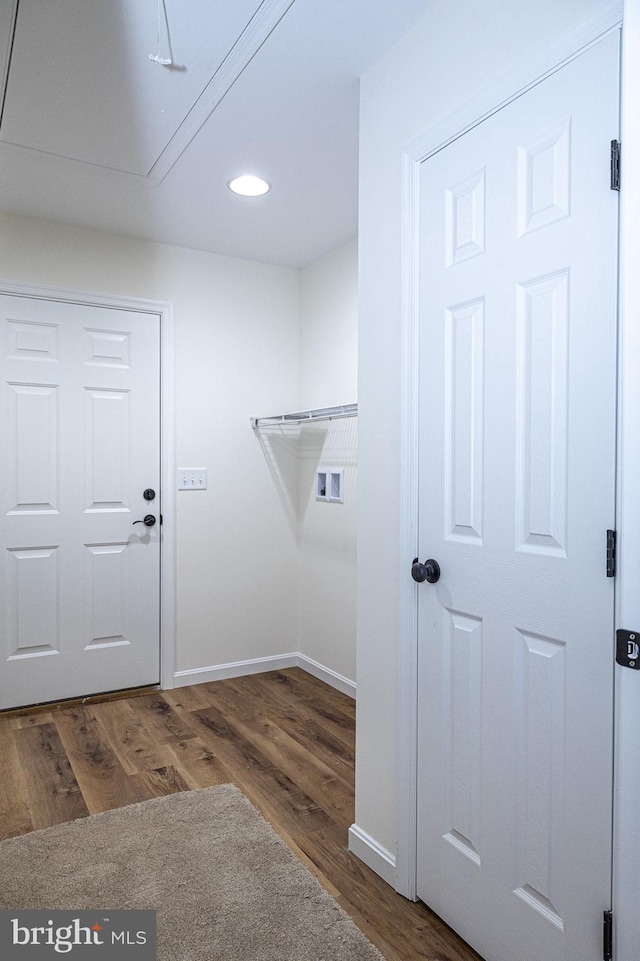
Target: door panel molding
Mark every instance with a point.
(511, 85)
(114, 352)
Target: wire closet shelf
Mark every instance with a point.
(303, 416)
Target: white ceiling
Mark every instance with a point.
(95, 133)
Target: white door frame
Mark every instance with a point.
(626, 845)
(626, 850)
(167, 441)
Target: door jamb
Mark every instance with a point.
(164, 311)
(626, 845)
(567, 47)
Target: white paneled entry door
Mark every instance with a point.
(518, 259)
(80, 429)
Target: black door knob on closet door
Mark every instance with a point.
(429, 571)
(149, 520)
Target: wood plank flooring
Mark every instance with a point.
(284, 738)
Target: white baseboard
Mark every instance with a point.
(258, 665)
(339, 681)
(373, 854)
(218, 672)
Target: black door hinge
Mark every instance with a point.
(615, 165)
(607, 936)
(611, 553)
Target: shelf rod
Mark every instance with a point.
(298, 417)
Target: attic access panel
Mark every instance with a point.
(81, 84)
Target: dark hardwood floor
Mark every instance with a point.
(284, 738)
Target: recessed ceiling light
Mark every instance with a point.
(249, 186)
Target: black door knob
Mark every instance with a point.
(429, 571)
(149, 520)
(149, 494)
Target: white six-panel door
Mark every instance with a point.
(518, 255)
(80, 430)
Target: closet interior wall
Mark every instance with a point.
(327, 547)
(326, 610)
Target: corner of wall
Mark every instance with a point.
(374, 855)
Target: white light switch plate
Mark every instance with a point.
(192, 478)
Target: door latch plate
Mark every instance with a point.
(628, 649)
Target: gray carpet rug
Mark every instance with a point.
(225, 886)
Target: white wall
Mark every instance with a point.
(327, 549)
(453, 51)
(236, 355)
(327, 531)
(250, 339)
(329, 329)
